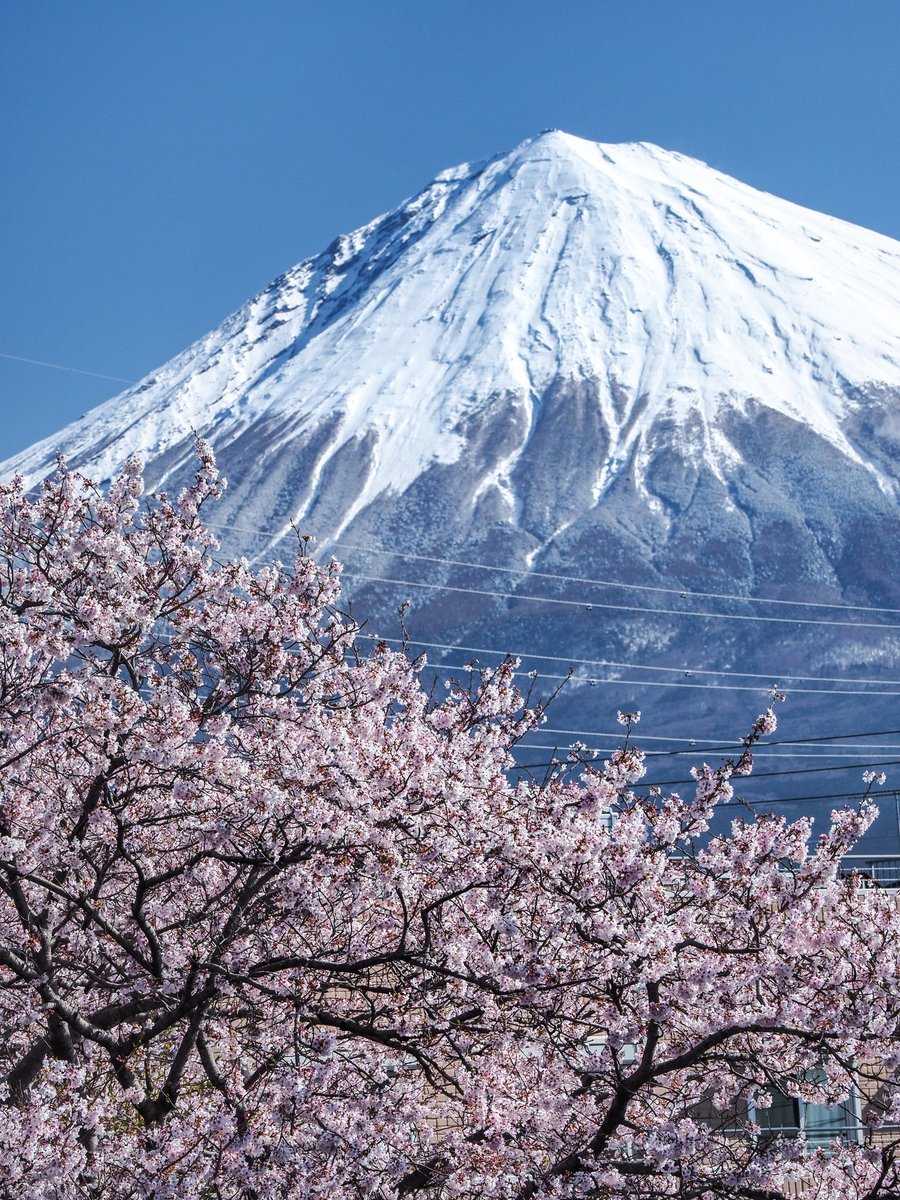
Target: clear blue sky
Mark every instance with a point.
(163, 161)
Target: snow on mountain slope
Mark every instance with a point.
(671, 289)
(575, 360)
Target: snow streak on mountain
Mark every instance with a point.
(672, 291)
(575, 359)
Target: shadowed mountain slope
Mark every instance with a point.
(573, 362)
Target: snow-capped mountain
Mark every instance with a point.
(574, 360)
(669, 291)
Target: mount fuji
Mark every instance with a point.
(595, 404)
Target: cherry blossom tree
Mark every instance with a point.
(276, 924)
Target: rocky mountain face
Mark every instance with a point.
(587, 402)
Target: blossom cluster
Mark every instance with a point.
(275, 923)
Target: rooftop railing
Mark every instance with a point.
(878, 870)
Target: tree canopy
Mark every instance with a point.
(277, 923)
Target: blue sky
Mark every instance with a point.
(164, 161)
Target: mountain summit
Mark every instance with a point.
(574, 359)
(665, 289)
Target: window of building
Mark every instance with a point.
(818, 1124)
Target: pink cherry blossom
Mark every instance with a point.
(275, 924)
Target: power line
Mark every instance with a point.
(889, 793)
(694, 745)
(37, 362)
(661, 683)
(651, 783)
(807, 799)
(600, 662)
(697, 746)
(826, 737)
(693, 742)
(613, 583)
(864, 766)
(583, 604)
(742, 802)
(787, 755)
(592, 582)
(790, 754)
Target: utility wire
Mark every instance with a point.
(889, 793)
(629, 666)
(588, 605)
(808, 799)
(37, 362)
(592, 582)
(784, 755)
(865, 766)
(556, 763)
(697, 746)
(697, 750)
(662, 683)
(737, 804)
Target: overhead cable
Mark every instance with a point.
(862, 766)
(646, 611)
(673, 590)
(37, 362)
(630, 666)
(705, 687)
(786, 755)
(611, 583)
(697, 744)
